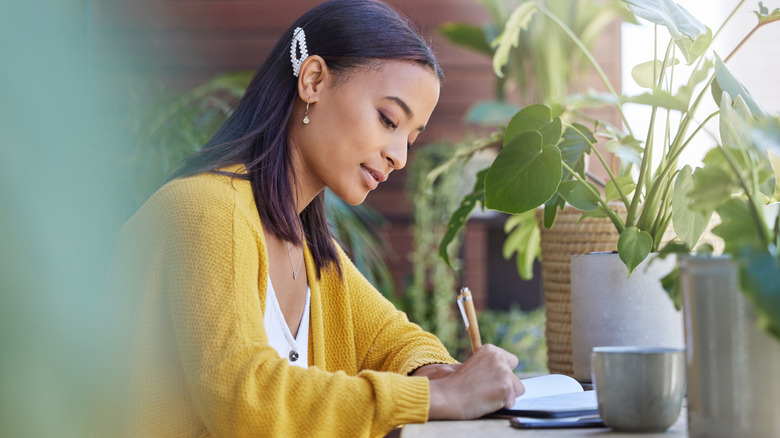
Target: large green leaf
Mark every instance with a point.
(523, 238)
(726, 82)
(524, 175)
(633, 247)
(667, 13)
(466, 35)
(646, 74)
(510, 37)
(461, 215)
(688, 224)
(690, 35)
(533, 118)
(578, 194)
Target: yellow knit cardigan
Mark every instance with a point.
(194, 257)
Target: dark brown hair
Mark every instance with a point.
(347, 34)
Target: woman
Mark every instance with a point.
(252, 321)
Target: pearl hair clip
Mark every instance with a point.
(299, 41)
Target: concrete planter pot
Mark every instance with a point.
(609, 308)
(733, 367)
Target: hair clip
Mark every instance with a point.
(299, 41)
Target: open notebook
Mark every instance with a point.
(552, 396)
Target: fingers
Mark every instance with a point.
(498, 353)
(499, 363)
(517, 390)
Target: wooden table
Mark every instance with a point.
(500, 428)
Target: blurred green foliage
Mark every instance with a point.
(60, 210)
(429, 297)
(518, 332)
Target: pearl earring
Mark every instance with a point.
(306, 114)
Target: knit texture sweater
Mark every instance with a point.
(194, 257)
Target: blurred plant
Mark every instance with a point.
(518, 332)
(429, 298)
(737, 180)
(541, 63)
(169, 128)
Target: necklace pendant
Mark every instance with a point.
(295, 270)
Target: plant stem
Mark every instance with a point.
(588, 55)
(612, 215)
(647, 156)
(672, 164)
(741, 43)
(478, 145)
(623, 197)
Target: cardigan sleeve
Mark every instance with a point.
(237, 383)
(385, 339)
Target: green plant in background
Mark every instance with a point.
(429, 298)
(169, 128)
(541, 161)
(535, 61)
(518, 332)
(541, 63)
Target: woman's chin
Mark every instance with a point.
(353, 198)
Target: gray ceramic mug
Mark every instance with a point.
(639, 389)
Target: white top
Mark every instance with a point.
(295, 350)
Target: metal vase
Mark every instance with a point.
(733, 367)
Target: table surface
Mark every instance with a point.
(498, 428)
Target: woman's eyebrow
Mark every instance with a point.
(405, 108)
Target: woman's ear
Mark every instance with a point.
(312, 77)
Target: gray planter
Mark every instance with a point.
(733, 367)
(609, 308)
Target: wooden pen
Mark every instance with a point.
(466, 306)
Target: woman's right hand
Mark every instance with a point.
(483, 384)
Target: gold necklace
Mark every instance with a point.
(300, 261)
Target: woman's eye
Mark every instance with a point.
(387, 122)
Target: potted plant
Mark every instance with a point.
(732, 303)
(542, 159)
(543, 66)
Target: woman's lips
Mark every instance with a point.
(372, 177)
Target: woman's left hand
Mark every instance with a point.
(436, 370)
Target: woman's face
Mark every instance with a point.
(360, 128)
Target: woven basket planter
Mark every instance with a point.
(568, 236)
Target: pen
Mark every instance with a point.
(466, 306)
